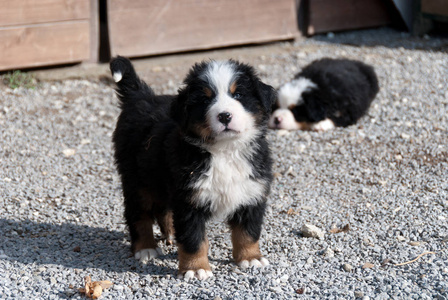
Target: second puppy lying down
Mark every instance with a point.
(190, 157)
(327, 93)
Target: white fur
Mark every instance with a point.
(286, 118)
(291, 92)
(244, 264)
(200, 274)
(117, 76)
(146, 254)
(324, 125)
(227, 184)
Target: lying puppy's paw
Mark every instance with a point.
(146, 254)
(200, 274)
(262, 262)
(324, 125)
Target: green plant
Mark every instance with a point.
(18, 79)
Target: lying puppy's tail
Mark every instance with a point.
(129, 86)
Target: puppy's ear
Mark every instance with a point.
(267, 94)
(178, 111)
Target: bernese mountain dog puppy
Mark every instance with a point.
(327, 93)
(186, 158)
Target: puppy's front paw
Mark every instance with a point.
(146, 254)
(262, 262)
(200, 274)
(324, 125)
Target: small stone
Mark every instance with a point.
(309, 261)
(284, 278)
(359, 294)
(328, 253)
(415, 243)
(53, 280)
(368, 265)
(69, 152)
(405, 136)
(347, 267)
(401, 238)
(275, 289)
(309, 230)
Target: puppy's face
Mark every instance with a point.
(223, 101)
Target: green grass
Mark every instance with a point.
(18, 79)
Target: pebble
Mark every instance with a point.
(309, 230)
(347, 267)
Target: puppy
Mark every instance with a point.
(327, 93)
(190, 157)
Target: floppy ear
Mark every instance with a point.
(267, 95)
(178, 112)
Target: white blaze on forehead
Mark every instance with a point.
(220, 74)
(291, 92)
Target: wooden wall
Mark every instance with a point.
(144, 27)
(47, 32)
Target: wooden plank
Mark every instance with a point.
(46, 44)
(94, 21)
(20, 12)
(334, 15)
(143, 27)
(436, 7)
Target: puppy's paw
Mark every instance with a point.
(200, 274)
(169, 240)
(324, 125)
(262, 262)
(146, 254)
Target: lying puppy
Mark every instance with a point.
(327, 93)
(187, 158)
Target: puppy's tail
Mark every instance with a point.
(129, 86)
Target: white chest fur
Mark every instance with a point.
(227, 184)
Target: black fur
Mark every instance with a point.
(159, 151)
(345, 90)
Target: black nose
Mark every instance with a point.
(225, 118)
(277, 120)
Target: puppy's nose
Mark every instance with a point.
(225, 118)
(277, 120)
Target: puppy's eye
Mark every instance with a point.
(237, 96)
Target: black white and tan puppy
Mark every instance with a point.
(327, 93)
(188, 158)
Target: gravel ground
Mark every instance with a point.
(386, 178)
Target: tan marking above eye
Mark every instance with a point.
(233, 87)
(291, 106)
(208, 92)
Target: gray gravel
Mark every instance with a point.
(61, 203)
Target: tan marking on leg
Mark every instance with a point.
(165, 222)
(304, 125)
(193, 261)
(233, 87)
(244, 246)
(145, 233)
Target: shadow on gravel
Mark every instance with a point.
(387, 37)
(71, 245)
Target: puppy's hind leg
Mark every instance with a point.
(165, 221)
(140, 222)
